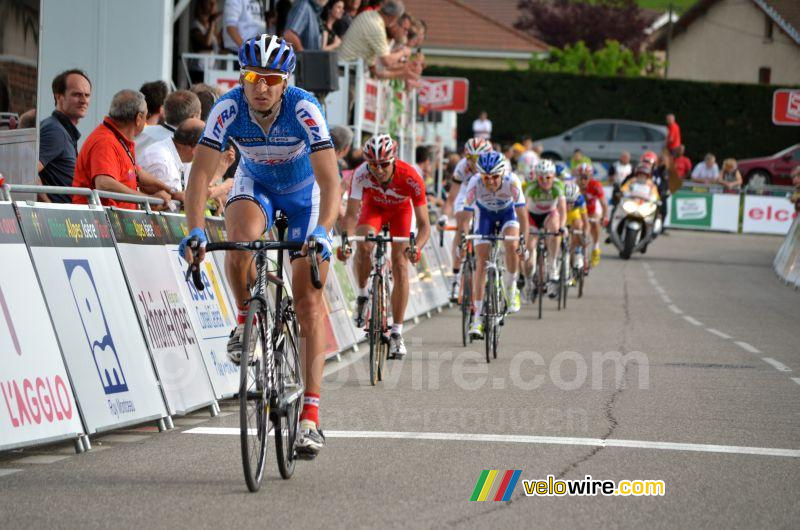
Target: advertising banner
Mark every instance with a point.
(212, 313)
(94, 318)
(215, 228)
(38, 403)
(162, 312)
(698, 210)
(347, 281)
(341, 320)
(765, 214)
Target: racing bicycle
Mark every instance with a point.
(270, 372)
(378, 324)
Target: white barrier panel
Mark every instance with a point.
(105, 353)
(211, 310)
(765, 214)
(38, 404)
(162, 312)
(703, 211)
(347, 281)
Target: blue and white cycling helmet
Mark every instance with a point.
(571, 191)
(267, 51)
(561, 167)
(492, 163)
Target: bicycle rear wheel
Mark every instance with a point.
(562, 282)
(489, 310)
(375, 331)
(253, 396)
(289, 380)
(383, 352)
(580, 282)
(466, 303)
(540, 280)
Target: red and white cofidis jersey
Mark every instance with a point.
(594, 192)
(406, 185)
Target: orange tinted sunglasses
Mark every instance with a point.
(271, 79)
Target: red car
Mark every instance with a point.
(773, 169)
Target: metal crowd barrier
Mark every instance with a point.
(91, 271)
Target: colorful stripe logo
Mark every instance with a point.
(496, 485)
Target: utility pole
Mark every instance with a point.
(669, 39)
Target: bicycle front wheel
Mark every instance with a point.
(540, 280)
(489, 310)
(383, 351)
(254, 395)
(289, 380)
(375, 331)
(466, 303)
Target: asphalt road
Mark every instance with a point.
(703, 400)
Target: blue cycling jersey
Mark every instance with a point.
(277, 160)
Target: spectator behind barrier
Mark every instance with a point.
(683, 166)
(166, 159)
(342, 140)
(107, 160)
(242, 19)
(795, 197)
(673, 139)
(58, 134)
(366, 38)
(155, 92)
(482, 127)
(203, 36)
(207, 96)
(577, 159)
(331, 13)
(303, 30)
(707, 171)
(350, 12)
(180, 105)
(730, 178)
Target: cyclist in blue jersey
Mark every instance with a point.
(288, 164)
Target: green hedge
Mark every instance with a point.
(730, 120)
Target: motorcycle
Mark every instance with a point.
(634, 222)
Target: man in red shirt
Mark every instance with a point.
(386, 191)
(107, 160)
(683, 166)
(673, 134)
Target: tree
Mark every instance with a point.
(611, 60)
(563, 22)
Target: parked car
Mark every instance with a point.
(604, 140)
(773, 169)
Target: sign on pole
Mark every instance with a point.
(786, 107)
(38, 404)
(443, 93)
(93, 315)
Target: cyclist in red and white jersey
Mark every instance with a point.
(593, 191)
(466, 168)
(386, 191)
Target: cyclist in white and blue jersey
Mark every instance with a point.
(288, 164)
(495, 198)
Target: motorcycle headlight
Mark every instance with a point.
(647, 208)
(629, 206)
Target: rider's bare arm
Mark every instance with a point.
(204, 165)
(522, 215)
(325, 169)
(423, 225)
(349, 221)
(562, 211)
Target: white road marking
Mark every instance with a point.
(543, 440)
(776, 364)
(718, 333)
(692, 321)
(747, 347)
(674, 309)
(9, 471)
(666, 299)
(796, 380)
(660, 289)
(40, 459)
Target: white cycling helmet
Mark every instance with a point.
(476, 146)
(544, 167)
(571, 191)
